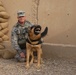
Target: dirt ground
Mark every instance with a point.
(48, 67)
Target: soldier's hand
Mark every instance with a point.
(22, 55)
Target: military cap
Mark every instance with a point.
(20, 13)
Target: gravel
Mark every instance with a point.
(48, 67)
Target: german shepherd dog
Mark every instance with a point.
(34, 43)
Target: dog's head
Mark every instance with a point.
(34, 32)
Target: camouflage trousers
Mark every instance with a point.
(19, 58)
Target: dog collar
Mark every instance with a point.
(39, 42)
(35, 40)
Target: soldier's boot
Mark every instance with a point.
(19, 59)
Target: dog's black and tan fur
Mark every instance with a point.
(34, 43)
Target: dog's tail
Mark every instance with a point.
(44, 32)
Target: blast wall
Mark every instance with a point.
(58, 15)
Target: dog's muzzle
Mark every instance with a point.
(37, 30)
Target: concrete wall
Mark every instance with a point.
(55, 51)
(58, 15)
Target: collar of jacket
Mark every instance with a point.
(18, 24)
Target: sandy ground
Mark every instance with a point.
(48, 67)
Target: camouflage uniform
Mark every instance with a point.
(19, 31)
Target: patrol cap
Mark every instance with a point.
(20, 13)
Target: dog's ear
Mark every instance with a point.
(44, 32)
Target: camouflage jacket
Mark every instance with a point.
(16, 30)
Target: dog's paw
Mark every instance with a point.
(38, 66)
(27, 66)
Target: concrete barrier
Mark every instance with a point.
(53, 50)
(59, 51)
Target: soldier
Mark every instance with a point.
(19, 35)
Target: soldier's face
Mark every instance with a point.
(22, 19)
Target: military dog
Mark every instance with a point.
(34, 43)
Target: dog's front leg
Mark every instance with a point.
(27, 60)
(39, 58)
